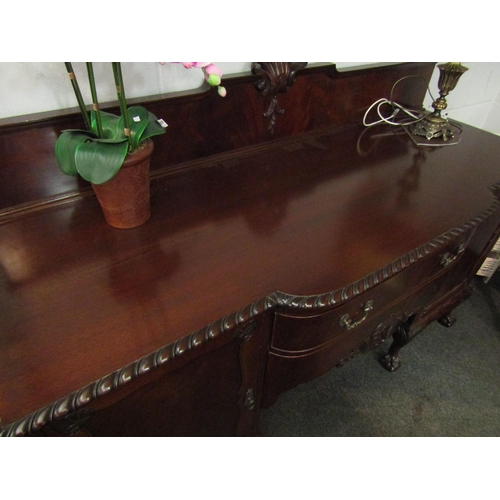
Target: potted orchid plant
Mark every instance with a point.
(113, 152)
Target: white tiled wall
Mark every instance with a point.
(44, 86)
(476, 99)
(492, 120)
(32, 87)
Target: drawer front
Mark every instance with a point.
(302, 333)
(287, 369)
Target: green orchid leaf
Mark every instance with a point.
(66, 146)
(138, 119)
(98, 162)
(111, 125)
(153, 128)
(111, 141)
(93, 121)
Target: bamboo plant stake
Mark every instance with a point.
(78, 94)
(120, 91)
(95, 103)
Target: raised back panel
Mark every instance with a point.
(203, 124)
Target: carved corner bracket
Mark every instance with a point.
(275, 78)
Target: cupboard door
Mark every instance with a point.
(216, 393)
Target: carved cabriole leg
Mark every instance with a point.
(374, 340)
(391, 361)
(440, 309)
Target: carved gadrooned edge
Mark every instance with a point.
(275, 78)
(326, 301)
(313, 303)
(81, 398)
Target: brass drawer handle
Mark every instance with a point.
(346, 321)
(448, 258)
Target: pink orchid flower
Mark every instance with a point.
(211, 72)
(190, 65)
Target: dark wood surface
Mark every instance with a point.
(80, 299)
(304, 215)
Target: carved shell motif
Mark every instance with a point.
(275, 78)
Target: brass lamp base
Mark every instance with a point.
(425, 133)
(434, 126)
(429, 131)
(433, 129)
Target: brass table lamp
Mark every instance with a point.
(434, 126)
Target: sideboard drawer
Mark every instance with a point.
(286, 370)
(315, 344)
(303, 332)
(294, 334)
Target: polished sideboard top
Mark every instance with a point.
(306, 220)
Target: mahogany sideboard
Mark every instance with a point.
(285, 238)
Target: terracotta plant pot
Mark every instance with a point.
(125, 199)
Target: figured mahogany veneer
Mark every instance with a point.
(268, 260)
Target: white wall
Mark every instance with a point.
(476, 99)
(44, 86)
(32, 87)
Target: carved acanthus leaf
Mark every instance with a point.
(275, 78)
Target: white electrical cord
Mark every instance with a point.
(412, 116)
(389, 119)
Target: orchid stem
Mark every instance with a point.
(93, 91)
(120, 91)
(78, 94)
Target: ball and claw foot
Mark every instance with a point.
(390, 363)
(447, 320)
